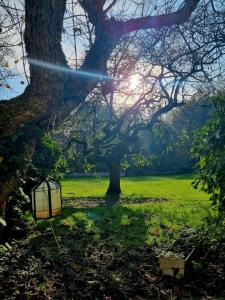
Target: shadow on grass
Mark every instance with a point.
(95, 250)
(110, 225)
(102, 251)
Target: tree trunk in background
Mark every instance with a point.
(114, 178)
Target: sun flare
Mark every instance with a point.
(134, 81)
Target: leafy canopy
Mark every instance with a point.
(209, 149)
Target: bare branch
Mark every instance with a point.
(160, 21)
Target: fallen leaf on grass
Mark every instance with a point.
(75, 266)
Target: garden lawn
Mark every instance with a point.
(175, 187)
(132, 225)
(109, 251)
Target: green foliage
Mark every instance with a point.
(125, 164)
(17, 204)
(213, 229)
(139, 160)
(48, 159)
(209, 150)
(197, 266)
(10, 149)
(135, 161)
(170, 147)
(167, 145)
(88, 167)
(18, 201)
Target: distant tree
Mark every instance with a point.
(121, 110)
(175, 134)
(166, 147)
(115, 114)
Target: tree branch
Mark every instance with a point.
(160, 21)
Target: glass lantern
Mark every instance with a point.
(46, 200)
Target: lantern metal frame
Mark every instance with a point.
(49, 197)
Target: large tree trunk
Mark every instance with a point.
(114, 177)
(23, 119)
(50, 96)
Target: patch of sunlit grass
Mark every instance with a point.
(130, 225)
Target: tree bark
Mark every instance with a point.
(114, 177)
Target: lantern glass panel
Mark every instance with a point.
(56, 201)
(41, 198)
(44, 193)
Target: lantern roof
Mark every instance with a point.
(45, 185)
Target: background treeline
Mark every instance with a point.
(165, 149)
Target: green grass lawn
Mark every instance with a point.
(113, 241)
(176, 187)
(103, 250)
(133, 225)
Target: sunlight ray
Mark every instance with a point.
(61, 68)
